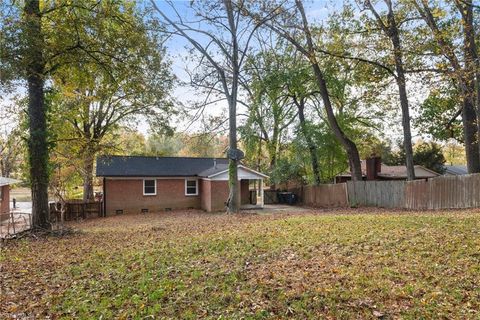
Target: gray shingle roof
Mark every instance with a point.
(140, 166)
(456, 170)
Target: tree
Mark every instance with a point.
(463, 76)
(309, 50)
(430, 155)
(35, 67)
(390, 28)
(227, 32)
(270, 108)
(11, 139)
(95, 100)
(437, 115)
(38, 39)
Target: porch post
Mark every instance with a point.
(261, 192)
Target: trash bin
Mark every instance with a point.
(287, 198)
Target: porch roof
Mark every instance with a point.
(7, 181)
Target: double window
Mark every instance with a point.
(191, 187)
(149, 187)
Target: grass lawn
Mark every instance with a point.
(188, 265)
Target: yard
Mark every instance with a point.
(309, 264)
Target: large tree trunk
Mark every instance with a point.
(233, 183)
(402, 90)
(89, 159)
(311, 146)
(349, 146)
(37, 140)
(472, 64)
(469, 132)
(233, 203)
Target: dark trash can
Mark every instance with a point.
(287, 198)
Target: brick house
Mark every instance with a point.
(134, 184)
(5, 195)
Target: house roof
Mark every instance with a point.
(7, 181)
(397, 172)
(456, 170)
(141, 166)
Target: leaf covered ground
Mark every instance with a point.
(189, 265)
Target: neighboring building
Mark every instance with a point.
(5, 194)
(134, 184)
(455, 170)
(374, 169)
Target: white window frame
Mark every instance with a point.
(196, 188)
(155, 184)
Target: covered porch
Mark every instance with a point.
(252, 196)
(251, 189)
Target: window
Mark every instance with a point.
(149, 187)
(191, 187)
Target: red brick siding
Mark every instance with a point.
(219, 192)
(127, 195)
(5, 200)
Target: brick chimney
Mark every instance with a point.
(374, 167)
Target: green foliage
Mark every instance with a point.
(287, 170)
(331, 156)
(436, 115)
(430, 155)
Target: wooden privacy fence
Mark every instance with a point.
(77, 209)
(324, 195)
(386, 194)
(445, 192)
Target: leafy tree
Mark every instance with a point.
(430, 155)
(95, 100)
(222, 43)
(270, 108)
(444, 30)
(390, 26)
(438, 115)
(287, 170)
(39, 39)
(287, 26)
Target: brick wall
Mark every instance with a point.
(219, 192)
(5, 199)
(127, 195)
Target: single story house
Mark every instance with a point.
(134, 184)
(5, 194)
(455, 170)
(374, 169)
